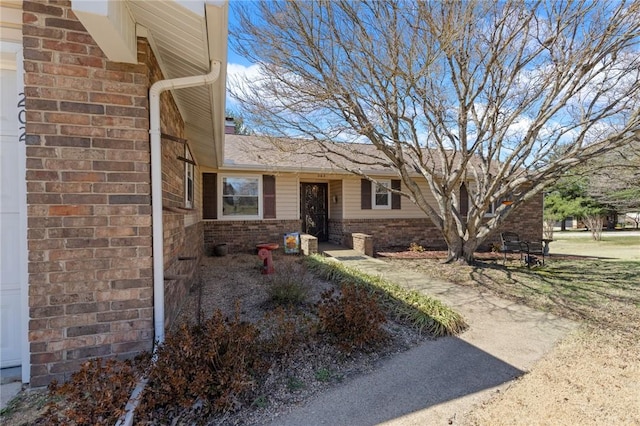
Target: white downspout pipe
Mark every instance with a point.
(156, 184)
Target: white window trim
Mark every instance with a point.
(374, 186)
(189, 171)
(220, 183)
(491, 212)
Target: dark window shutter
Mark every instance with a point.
(395, 198)
(269, 196)
(365, 194)
(464, 201)
(209, 196)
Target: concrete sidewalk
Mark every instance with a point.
(10, 385)
(437, 382)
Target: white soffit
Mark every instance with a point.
(179, 33)
(185, 36)
(111, 26)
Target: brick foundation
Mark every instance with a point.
(526, 220)
(244, 235)
(183, 271)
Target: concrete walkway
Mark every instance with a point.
(437, 382)
(10, 385)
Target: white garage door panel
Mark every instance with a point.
(9, 333)
(9, 194)
(9, 267)
(12, 221)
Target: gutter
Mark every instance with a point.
(156, 208)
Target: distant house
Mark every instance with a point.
(117, 175)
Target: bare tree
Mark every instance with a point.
(613, 179)
(478, 93)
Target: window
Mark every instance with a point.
(381, 196)
(241, 196)
(188, 178)
(378, 196)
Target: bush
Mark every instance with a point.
(353, 319)
(95, 395)
(289, 286)
(421, 311)
(285, 332)
(213, 364)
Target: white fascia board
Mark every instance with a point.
(111, 25)
(217, 14)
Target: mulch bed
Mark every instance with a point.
(403, 253)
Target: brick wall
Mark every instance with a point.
(526, 220)
(388, 233)
(88, 195)
(183, 271)
(243, 235)
(182, 244)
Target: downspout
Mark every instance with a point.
(156, 184)
(156, 208)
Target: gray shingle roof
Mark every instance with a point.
(276, 154)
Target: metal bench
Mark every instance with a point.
(530, 251)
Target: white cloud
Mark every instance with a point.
(236, 74)
(237, 70)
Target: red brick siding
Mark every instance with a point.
(88, 195)
(387, 233)
(526, 220)
(178, 239)
(244, 235)
(184, 267)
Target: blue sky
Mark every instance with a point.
(236, 65)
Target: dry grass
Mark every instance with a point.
(593, 376)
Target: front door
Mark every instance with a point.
(313, 210)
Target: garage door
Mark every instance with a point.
(12, 211)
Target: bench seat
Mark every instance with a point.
(529, 250)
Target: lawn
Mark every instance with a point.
(593, 376)
(603, 291)
(613, 246)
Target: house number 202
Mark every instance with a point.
(22, 116)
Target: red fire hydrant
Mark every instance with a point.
(264, 253)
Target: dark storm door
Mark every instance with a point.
(313, 209)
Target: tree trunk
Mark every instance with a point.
(460, 250)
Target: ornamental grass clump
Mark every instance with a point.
(289, 285)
